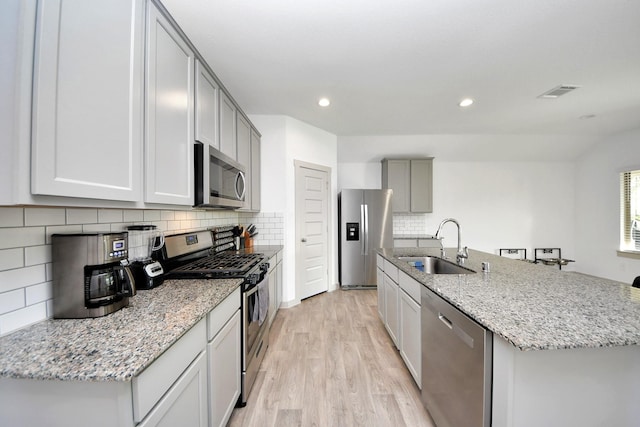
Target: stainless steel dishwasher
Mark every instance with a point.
(456, 365)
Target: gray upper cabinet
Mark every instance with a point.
(244, 156)
(207, 91)
(87, 109)
(170, 114)
(227, 126)
(255, 171)
(412, 184)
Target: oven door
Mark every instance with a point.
(256, 314)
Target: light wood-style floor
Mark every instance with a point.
(331, 363)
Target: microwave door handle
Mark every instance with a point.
(240, 177)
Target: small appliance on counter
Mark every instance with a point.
(89, 278)
(143, 240)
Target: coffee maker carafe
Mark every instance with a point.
(143, 241)
(89, 278)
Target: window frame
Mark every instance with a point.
(629, 242)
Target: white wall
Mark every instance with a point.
(498, 204)
(284, 140)
(598, 206)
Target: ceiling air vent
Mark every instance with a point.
(558, 91)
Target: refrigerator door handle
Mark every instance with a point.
(366, 230)
(362, 230)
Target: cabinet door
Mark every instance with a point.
(207, 90)
(381, 291)
(396, 175)
(224, 371)
(255, 171)
(410, 336)
(278, 285)
(169, 114)
(422, 185)
(272, 293)
(87, 99)
(227, 126)
(244, 156)
(185, 404)
(391, 309)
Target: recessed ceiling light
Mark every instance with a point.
(466, 102)
(324, 102)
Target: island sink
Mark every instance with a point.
(435, 265)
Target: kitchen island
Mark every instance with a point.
(566, 346)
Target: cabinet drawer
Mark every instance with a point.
(380, 262)
(217, 318)
(279, 255)
(391, 270)
(273, 261)
(410, 286)
(155, 381)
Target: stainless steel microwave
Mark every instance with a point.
(219, 179)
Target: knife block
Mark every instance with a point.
(248, 240)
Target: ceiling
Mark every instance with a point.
(400, 67)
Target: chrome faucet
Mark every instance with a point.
(463, 253)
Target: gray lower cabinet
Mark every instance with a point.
(380, 286)
(87, 112)
(275, 285)
(412, 184)
(391, 296)
(169, 113)
(224, 332)
(410, 329)
(399, 308)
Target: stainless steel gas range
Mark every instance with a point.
(194, 256)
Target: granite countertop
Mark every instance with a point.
(115, 347)
(533, 306)
(267, 250)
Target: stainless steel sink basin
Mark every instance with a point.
(435, 265)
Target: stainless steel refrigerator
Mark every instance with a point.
(366, 224)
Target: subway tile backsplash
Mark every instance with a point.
(25, 247)
(410, 224)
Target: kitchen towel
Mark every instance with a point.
(263, 299)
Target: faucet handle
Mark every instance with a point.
(462, 255)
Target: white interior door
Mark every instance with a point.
(312, 229)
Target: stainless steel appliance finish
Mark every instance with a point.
(88, 277)
(219, 179)
(456, 365)
(366, 224)
(194, 256)
(255, 333)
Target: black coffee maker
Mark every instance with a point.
(143, 240)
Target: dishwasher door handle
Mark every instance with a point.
(446, 321)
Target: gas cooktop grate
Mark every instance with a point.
(221, 263)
